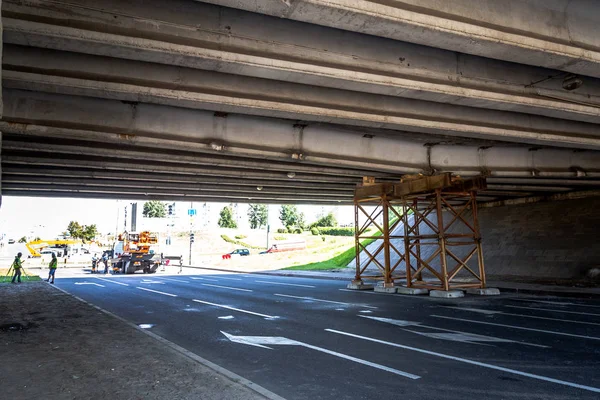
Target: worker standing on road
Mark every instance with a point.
(53, 265)
(17, 266)
(105, 261)
(94, 263)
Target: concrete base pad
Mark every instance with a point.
(484, 292)
(359, 286)
(381, 289)
(450, 294)
(411, 291)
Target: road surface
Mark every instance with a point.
(313, 339)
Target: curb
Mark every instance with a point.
(216, 368)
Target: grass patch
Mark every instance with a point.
(25, 277)
(340, 260)
(239, 242)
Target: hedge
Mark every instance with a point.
(337, 231)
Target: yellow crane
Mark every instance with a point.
(36, 245)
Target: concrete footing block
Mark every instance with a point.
(447, 294)
(383, 289)
(359, 286)
(484, 292)
(411, 291)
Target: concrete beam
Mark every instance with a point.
(560, 34)
(215, 38)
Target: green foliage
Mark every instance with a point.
(290, 229)
(326, 221)
(154, 209)
(37, 238)
(239, 242)
(23, 239)
(298, 230)
(241, 236)
(315, 231)
(257, 215)
(282, 230)
(226, 219)
(84, 232)
(337, 231)
(280, 237)
(289, 216)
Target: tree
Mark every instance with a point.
(226, 219)
(326, 221)
(289, 216)
(75, 230)
(154, 209)
(89, 232)
(257, 215)
(23, 240)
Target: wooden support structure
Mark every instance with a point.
(429, 224)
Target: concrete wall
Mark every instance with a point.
(557, 239)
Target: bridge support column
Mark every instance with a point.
(1, 104)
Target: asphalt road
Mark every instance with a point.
(313, 339)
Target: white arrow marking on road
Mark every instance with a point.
(467, 361)
(88, 283)
(261, 341)
(457, 336)
(324, 301)
(113, 281)
(522, 315)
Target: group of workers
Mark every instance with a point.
(17, 266)
(96, 260)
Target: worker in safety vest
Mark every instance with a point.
(53, 265)
(94, 263)
(17, 266)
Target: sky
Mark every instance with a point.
(48, 217)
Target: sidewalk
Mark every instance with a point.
(347, 274)
(55, 346)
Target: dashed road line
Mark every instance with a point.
(472, 362)
(227, 287)
(235, 309)
(491, 312)
(324, 301)
(550, 310)
(205, 279)
(174, 280)
(286, 284)
(156, 291)
(112, 281)
(231, 279)
(517, 327)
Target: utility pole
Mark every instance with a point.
(191, 213)
(268, 226)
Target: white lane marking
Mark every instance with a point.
(365, 311)
(559, 303)
(324, 301)
(149, 282)
(205, 279)
(113, 281)
(227, 317)
(89, 283)
(231, 279)
(156, 291)
(549, 310)
(226, 287)
(571, 321)
(460, 336)
(477, 310)
(518, 327)
(236, 309)
(285, 284)
(467, 361)
(174, 280)
(261, 341)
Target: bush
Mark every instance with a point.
(282, 230)
(338, 231)
(290, 229)
(298, 230)
(315, 231)
(241, 236)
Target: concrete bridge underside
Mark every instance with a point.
(295, 101)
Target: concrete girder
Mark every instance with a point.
(112, 122)
(561, 34)
(142, 168)
(543, 132)
(430, 74)
(25, 175)
(125, 192)
(175, 197)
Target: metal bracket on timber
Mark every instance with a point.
(423, 229)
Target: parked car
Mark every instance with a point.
(236, 252)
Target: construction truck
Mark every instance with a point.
(134, 252)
